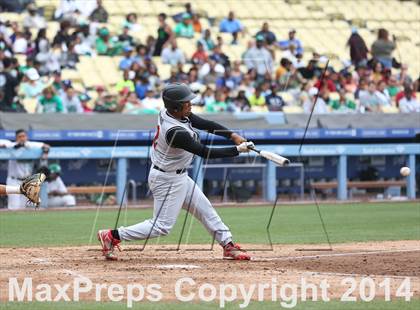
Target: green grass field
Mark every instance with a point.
(332, 305)
(290, 224)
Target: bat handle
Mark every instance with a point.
(255, 150)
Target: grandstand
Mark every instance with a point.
(323, 26)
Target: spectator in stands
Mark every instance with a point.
(130, 104)
(58, 195)
(65, 9)
(151, 104)
(142, 86)
(8, 84)
(321, 106)
(383, 47)
(99, 14)
(105, 45)
(63, 35)
(85, 101)
(291, 80)
(71, 102)
(240, 103)
(184, 28)
(49, 102)
(212, 74)
(164, 33)
(268, 35)
(369, 101)
(125, 38)
(393, 86)
(33, 20)
(196, 23)
(382, 94)
(290, 54)
(127, 60)
(106, 103)
(284, 45)
(188, 9)
(342, 104)
(257, 99)
(20, 45)
(172, 54)
(207, 41)
(154, 78)
(218, 105)
(231, 25)
(409, 103)
(126, 82)
(220, 57)
(131, 22)
(273, 100)
(226, 81)
(259, 58)
(283, 68)
(403, 77)
(207, 98)
(377, 73)
(200, 56)
(358, 48)
(32, 86)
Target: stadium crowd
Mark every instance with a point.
(270, 76)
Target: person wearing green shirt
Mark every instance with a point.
(105, 45)
(184, 28)
(342, 104)
(218, 105)
(49, 102)
(257, 99)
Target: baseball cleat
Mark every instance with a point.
(108, 243)
(234, 252)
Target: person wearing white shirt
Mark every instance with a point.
(34, 20)
(172, 54)
(57, 191)
(18, 170)
(408, 103)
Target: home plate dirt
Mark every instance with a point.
(394, 260)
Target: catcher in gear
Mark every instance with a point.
(30, 188)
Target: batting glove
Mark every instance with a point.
(245, 146)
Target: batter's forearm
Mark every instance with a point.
(216, 152)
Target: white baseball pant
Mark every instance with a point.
(15, 201)
(167, 205)
(61, 201)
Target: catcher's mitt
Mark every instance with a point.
(31, 187)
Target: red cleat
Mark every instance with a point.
(108, 243)
(235, 252)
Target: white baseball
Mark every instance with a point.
(405, 171)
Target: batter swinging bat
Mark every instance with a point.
(280, 160)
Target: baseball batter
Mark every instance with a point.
(174, 146)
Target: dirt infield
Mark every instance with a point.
(393, 259)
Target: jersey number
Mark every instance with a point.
(156, 136)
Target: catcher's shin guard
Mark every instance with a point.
(31, 187)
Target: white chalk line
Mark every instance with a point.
(340, 274)
(303, 257)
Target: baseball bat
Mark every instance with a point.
(280, 160)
